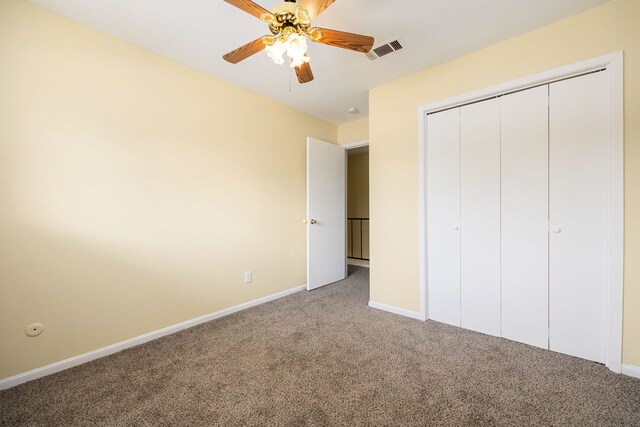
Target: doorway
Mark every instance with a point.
(335, 240)
(358, 247)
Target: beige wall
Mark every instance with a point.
(358, 204)
(358, 186)
(357, 130)
(134, 191)
(394, 142)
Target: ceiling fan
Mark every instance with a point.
(290, 26)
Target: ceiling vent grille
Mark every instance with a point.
(385, 49)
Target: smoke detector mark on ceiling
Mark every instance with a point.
(386, 49)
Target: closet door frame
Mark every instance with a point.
(613, 63)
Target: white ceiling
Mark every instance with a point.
(198, 32)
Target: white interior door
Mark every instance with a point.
(443, 215)
(578, 171)
(480, 216)
(326, 213)
(525, 216)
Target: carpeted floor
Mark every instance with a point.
(325, 358)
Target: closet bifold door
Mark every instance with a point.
(578, 189)
(525, 216)
(480, 216)
(443, 217)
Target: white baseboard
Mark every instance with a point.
(630, 370)
(114, 348)
(395, 310)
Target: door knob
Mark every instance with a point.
(456, 227)
(556, 229)
(311, 221)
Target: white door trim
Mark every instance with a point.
(614, 65)
(356, 144)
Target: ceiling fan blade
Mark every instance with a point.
(249, 7)
(304, 73)
(344, 40)
(243, 52)
(315, 7)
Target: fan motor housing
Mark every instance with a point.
(287, 21)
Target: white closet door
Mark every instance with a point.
(443, 218)
(525, 216)
(579, 132)
(480, 216)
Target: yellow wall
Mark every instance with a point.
(358, 186)
(394, 142)
(134, 191)
(357, 130)
(358, 204)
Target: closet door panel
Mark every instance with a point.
(579, 133)
(525, 216)
(480, 216)
(443, 217)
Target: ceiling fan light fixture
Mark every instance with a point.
(296, 48)
(276, 51)
(293, 44)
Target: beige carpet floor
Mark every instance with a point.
(325, 358)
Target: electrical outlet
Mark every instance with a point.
(248, 277)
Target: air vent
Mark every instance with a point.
(385, 49)
(395, 45)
